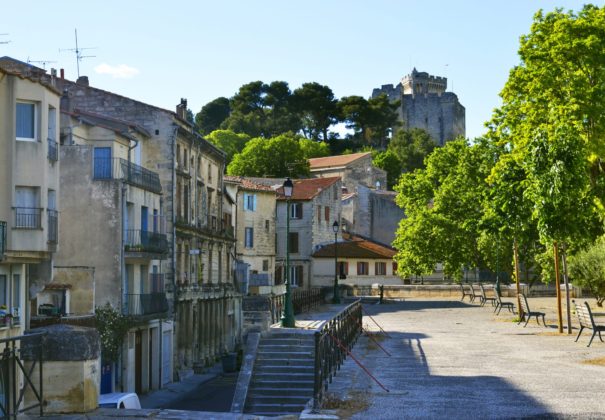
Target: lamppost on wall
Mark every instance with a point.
(287, 319)
(336, 297)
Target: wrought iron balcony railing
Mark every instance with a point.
(53, 150)
(136, 240)
(2, 238)
(28, 217)
(118, 168)
(146, 304)
(53, 224)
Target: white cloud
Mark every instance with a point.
(121, 71)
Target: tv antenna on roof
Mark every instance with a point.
(43, 62)
(4, 42)
(78, 52)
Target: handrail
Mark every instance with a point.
(345, 327)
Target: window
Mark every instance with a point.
(380, 269)
(296, 275)
(26, 121)
(327, 213)
(250, 202)
(3, 295)
(27, 209)
(296, 211)
(362, 268)
(343, 269)
(249, 237)
(318, 214)
(293, 242)
(267, 225)
(279, 274)
(265, 265)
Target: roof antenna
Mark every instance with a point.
(43, 62)
(78, 52)
(4, 42)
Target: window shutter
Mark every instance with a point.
(254, 202)
(299, 275)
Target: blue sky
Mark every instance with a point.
(158, 51)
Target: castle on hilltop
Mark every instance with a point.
(424, 103)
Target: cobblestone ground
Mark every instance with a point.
(458, 360)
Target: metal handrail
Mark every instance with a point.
(53, 225)
(344, 328)
(146, 303)
(118, 168)
(145, 241)
(28, 217)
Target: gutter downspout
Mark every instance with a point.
(173, 217)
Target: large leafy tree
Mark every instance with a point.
(411, 148)
(389, 162)
(212, 115)
(372, 119)
(316, 107)
(279, 156)
(443, 205)
(228, 141)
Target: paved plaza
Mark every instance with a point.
(458, 360)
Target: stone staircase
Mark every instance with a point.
(283, 376)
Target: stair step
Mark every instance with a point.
(267, 382)
(290, 355)
(275, 409)
(288, 341)
(284, 348)
(279, 399)
(288, 369)
(285, 362)
(256, 390)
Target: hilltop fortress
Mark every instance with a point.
(425, 104)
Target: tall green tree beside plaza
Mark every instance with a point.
(316, 107)
(411, 148)
(444, 209)
(212, 115)
(279, 156)
(229, 142)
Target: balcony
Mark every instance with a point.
(28, 217)
(131, 173)
(136, 240)
(2, 238)
(53, 150)
(146, 304)
(53, 223)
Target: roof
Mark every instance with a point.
(115, 124)
(307, 189)
(248, 183)
(32, 77)
(335, 161)
(356, 248)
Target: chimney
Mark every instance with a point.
(62, 74)
(66, 104)
(82, 81)
(53, 72)
(181, 109)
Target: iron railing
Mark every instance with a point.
(302, 301)
(118, 168)
(28, 217)
(17, 349)
(137, 240)
(53, 150)
(157, 282)
(332, 342)
(53, 224)
(146, 304)
(2, 238)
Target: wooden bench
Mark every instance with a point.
(501, 304)
(527, 313)
(485, 298)
(586, 319)
(466, 293)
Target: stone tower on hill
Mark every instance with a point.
(425, 104)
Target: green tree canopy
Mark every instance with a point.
(212, 115)
(316, 107)
(279, 156)
(411, 148)
(372, 120)
(229, 142)
(313, 149)
(587, 269)
(389, 162)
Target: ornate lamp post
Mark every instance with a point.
(287, 318)
(336, 298)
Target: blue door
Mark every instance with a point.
(102, 163)
(144, 226)
(105, 378)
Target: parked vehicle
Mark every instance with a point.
(119, 400)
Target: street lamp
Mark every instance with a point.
(287, 318)
(336, 297)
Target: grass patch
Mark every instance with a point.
(346, 407)
(600, 361)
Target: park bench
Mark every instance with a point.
(501, 304)
(485, 298)
(527, 313)
(586, 318)
(466, 293)
(476, 293)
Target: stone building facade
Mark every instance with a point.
(425, 104)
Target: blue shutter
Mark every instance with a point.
(254, 202)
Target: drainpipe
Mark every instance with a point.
(173, 217)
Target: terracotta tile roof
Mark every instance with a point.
(307, 189)
(335, 161)
(356, 248)
(248, 183)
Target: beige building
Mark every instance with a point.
(29, 200)
(360, 262)
(116, 227)
(255, 233)
(353, 169)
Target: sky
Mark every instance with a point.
(158, 52)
